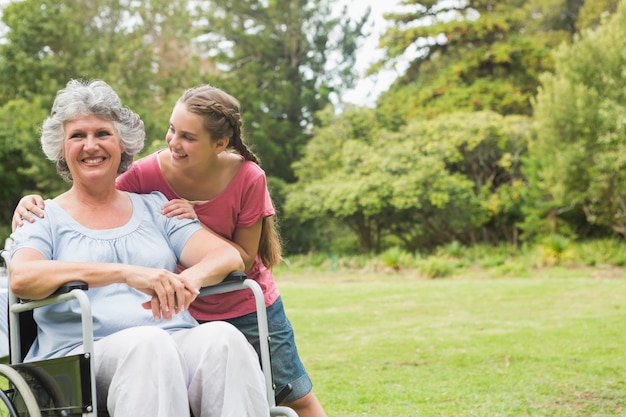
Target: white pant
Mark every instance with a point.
(144, 371)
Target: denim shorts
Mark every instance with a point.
(287, 368)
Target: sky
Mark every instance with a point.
(369, 88)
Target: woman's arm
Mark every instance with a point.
(246, 240)
(34, 277)
(208, 259)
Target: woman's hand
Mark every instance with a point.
(171, 293)
(181, 208)
(29, 206)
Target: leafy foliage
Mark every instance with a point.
(465, 56)
(18, 161)
(578, 156)
(452, 178)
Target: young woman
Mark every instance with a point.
(208, 171)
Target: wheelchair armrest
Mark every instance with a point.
(232, 282)
(73, 290)
(63, 289)
(69, 286)
(234, 277)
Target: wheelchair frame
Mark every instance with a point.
(81, 366)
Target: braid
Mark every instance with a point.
(239, 145)
(233, 117)
(221, 115)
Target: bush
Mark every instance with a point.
(554, 249)
(395, 258)
(436, 268)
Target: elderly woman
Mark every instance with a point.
(151, 357)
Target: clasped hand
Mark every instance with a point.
(170, 293)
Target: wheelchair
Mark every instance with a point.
(65, 387)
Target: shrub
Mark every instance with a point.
(554, 249)
(395, 258)
(436, 268)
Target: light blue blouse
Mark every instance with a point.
(148, 239)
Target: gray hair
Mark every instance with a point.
(97, 98)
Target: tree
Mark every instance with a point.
(578, 159)
(19, 149)
(284, 60)
(472, 55)
(593, 13)
(452, 178)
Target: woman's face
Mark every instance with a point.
(92, 149)
(187, 139)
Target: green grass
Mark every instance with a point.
(397, 345)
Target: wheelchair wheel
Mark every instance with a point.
(17, 395)
(6, 405)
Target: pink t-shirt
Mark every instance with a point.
(244, 201)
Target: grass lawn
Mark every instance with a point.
(397, 345)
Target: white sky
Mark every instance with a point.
(367, 89)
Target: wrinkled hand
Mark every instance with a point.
(171, 293)
(29, 206)
(181, 208)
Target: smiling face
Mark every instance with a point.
(92, 149)
(188, 140)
